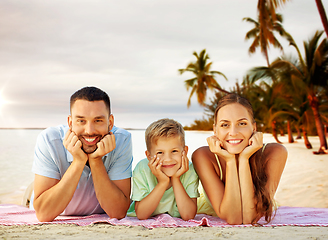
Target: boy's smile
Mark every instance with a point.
(170, 151)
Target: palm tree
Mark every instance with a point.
(323, 15)
(204, 78)
(311, 75)
(263, 38)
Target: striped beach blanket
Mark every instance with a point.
(285, 216)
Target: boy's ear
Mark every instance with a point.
(186, 150)
(147, 154)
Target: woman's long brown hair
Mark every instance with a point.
(264, 202)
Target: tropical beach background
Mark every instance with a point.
(170, 59)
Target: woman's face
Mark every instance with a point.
(234, 127)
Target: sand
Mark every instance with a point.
(304, 184)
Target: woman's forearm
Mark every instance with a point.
(247, 191)
(230, 208)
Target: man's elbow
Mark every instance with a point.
(44, 217)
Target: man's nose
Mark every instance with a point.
(89, 129)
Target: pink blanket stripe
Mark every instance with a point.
(285, 216)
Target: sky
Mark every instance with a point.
(130, 49)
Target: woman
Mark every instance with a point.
(239, 174)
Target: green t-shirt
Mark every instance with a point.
(144, 182)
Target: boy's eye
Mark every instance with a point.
(159, 153)
(175, 151)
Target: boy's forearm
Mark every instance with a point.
(148, 205)
(187, 206)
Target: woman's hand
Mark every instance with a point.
(254, 144)
(215, 146)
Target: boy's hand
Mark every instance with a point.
(155, 165)
(254, 144)
(73, 144)
(104, 146)
(184, 166)
(215, 146)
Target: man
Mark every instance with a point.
(83, 168)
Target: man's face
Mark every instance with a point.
(90, 121)
(170, 151)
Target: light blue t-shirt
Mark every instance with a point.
(144, 182)
(52, 159)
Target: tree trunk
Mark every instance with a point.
(318, 123)
(299, 134)
(290, 133)
(306, 140)
(274, 131)
(323, 15)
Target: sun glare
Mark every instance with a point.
(3, 101)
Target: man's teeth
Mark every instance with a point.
(90, 139)
(234, 141)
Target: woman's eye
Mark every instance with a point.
(243, 124)
(224, 125)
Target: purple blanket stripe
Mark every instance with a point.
(286, 216)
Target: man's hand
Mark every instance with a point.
(104, 146)
(155, 165)
(184, 166)
(73, 144)
(215, 146)
(254, 144)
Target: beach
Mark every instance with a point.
(304, 183)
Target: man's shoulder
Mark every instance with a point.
(120, 132)
(54, 133)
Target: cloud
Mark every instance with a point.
(131, 49)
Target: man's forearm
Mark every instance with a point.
(53, 201)
(115, 200)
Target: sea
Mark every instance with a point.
(17, 150)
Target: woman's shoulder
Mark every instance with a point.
(202, 151)
(276, 151)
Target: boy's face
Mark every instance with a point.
(170, 151)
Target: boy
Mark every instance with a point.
(165, 183)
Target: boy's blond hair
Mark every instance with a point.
(163, 128)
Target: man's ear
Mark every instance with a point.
(110, 122)
(69, 121)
